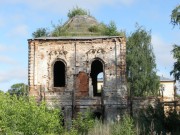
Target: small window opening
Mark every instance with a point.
(96, 72)
(100, 82)
(59, 74)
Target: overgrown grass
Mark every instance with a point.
(100, 128)
(154, 120)
(24, 116)
(149, 121)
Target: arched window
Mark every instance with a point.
(100, 82)
(59, 74)
(96, 71)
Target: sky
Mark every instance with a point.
(20, 18)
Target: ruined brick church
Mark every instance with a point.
(64, 72)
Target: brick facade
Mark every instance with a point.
(81, 59)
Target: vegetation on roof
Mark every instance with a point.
(41, 32)
(80, 23)
(92, 30)
(77, 11)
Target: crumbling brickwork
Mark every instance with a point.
(63, 71)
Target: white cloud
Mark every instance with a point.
(16, 73)
(2, 48)
(162, 50)
(164, 58)
(127, 2)
(68, 4)
(19, 31)
(63, 6)
(7, 60)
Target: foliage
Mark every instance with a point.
(100, 30)
(176, 55)
(125, 127)
(175, 20)
(172, 122)
(77, 11)
(40, 32)
(72, 131)
(175, 16)
(151, 119)
(61, 29)
(106, 30)
(111, 30)
(22, 116)
(94, 28)
(100, 128)
(154, 120)
(19, 89)
(141, 68)
(19, 115)
(83, 122)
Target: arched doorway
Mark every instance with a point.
(96, 72)
(59, 74)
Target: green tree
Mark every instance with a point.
(175, 16)
(141, 68)
(40, 32)
(77, 11)
(19, 89)
(27, 117)
(175, 20)
(111, 30)
(176, 68)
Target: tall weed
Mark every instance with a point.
(125, 127)
(100, 128)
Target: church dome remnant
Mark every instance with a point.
(85, 25)
(80, 25)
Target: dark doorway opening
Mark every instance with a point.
(59, 74)
(97, 115)
(96, 68)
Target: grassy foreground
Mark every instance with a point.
(24, 116)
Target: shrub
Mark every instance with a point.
(154, 120)
(125, 127)
(172, 121)
(23, 116)
(94, 28)
(77, 11)
(83, 122)
(40, 32)
(151, 119)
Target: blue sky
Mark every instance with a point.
(20, 18)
